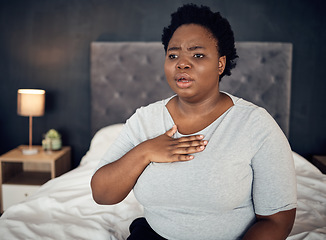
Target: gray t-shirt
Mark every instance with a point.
(246, 169)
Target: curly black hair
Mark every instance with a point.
(214, 22)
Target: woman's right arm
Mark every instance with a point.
(112, 183)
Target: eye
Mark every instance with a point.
(172, 56)
(198, 55)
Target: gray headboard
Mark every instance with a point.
(127, 75)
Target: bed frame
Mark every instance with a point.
(127, 75)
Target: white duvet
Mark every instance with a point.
(63, 208)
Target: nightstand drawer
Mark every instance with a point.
(13, 193)
(21, 175)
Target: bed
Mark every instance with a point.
(124, 76)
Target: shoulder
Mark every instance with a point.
(255, 119)
(151, 110)
(256, 113)
(249, 111)
(240, 104)
(148, 121)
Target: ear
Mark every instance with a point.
(221, 64)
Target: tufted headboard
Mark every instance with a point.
(127, 75)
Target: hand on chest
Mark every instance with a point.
(212, 181)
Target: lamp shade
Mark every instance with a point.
(30, 102)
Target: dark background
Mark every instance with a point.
(46, 44)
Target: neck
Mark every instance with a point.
(206, 106)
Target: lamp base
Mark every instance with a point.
(29, 151)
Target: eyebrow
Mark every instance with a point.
(190, 48)
(174, 48)
(195, 48)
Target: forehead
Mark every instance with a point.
(192, 33)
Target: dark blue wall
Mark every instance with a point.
(45, 44)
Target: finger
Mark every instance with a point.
(192, 143)
(188, 150)
(185, 157)
(190, 138)
(172, 131)
(182, 157)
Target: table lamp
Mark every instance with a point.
(30, 102)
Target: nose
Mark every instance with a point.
(183, 64)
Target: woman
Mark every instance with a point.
(204, 164)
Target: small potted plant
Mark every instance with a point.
(52, 140)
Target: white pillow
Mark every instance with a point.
(101, 142)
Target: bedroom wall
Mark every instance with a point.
(45, 44)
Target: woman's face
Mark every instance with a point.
(192, 63)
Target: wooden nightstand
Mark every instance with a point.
(319, 162)
(21, 175)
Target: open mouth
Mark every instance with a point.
(182, 77)
(183, 80)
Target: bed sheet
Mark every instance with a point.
(63, 208)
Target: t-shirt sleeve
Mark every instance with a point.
(274, 181)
